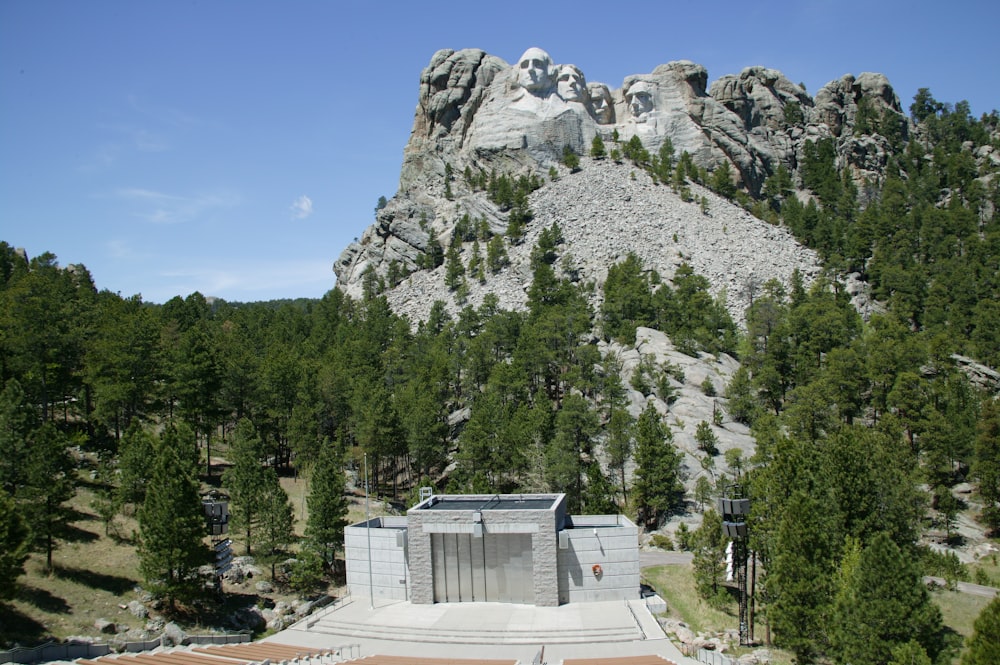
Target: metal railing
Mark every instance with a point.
(327, 607)
(324, 657)
(714, 658)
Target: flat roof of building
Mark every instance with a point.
(494, 502)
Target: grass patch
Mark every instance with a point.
(986, 570)
(94, 573)
(959, 610)
(675, 584)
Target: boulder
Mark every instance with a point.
(137, 609)
(173, 635)
(248, 618)
(105, 627)
(264, 587)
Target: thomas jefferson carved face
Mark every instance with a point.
(640, 99)
(534, 71)
(600, 100)
(571, 85)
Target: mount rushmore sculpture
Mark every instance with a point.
(477, 112)
(475, 104)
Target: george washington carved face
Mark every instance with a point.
(534, 71)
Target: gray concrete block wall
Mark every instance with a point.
(614, 549)
(389, 574)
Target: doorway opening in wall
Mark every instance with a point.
(488, 568)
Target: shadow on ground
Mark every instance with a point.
(74, 534)
(18, 629)
(115, 584)
(42, 599)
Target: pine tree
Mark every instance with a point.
(882, 605)
(619, 442)
(709, 562)
(49, 485)
(983, 647)
(597, 150)
(706, 438)
(433, 253)
(327, 503)
(575, 428)
(172, 527)
(657, 488)
(702, 491)
(276, 531)
(15, 540)
(666, 161)
(245, 481)
(496, 254)
(136, 449)
(17, 420)
(800, 579)
(986, 468)
(599, 499)
(454, 271)
(570, 159)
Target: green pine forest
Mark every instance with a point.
(862, 428)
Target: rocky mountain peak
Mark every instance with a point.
(479, 115)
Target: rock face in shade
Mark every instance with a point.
(478, 114)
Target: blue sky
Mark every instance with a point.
(235, 148)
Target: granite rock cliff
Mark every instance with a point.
(478, 114)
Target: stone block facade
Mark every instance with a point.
(564, 550)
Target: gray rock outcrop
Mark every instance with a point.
(476, 114)
(605, 213)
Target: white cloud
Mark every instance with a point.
(302, 207)
(161, 208)
(120, 249)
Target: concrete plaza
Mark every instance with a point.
(486, 630)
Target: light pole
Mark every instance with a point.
(735, 509)
(368, 532)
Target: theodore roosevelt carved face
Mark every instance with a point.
(600, 101)
(534, 71)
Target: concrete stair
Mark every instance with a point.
(485, 623)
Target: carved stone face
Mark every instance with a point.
(640, 99)
(600, 100)
(571, 85)
(534, 71)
